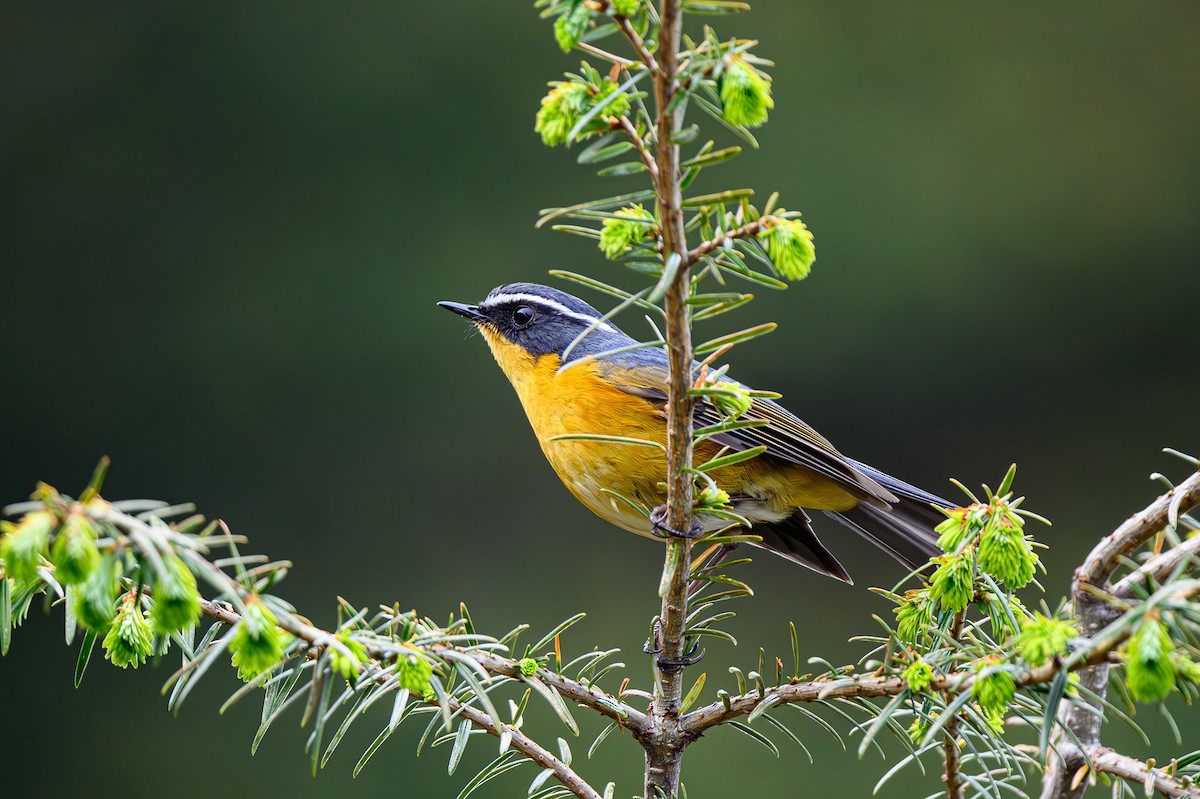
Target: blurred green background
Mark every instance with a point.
(225, 227)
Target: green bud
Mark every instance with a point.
(567, 101)
(1005, 554)
(790, 247)
(529, 666)
(74, 553)
(745, 94)
(414, 672)
(914, 614)
(257, 642)
(994, 691)
(712, 498)
(570, 27)
(955, 531)
(993, 718)
(1186, 668)
(630, 226)
(1042, 638)
(952, 586)
(24, 544)
(626, 8)
(176, 600)
(918, 675)
(734, 401)
(94, 600)
(1149, 672)
(129, 640)
(348, 665)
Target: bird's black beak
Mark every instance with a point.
(469, 311)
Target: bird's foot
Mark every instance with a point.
(691, 658)
(659, 526)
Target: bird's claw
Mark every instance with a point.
(660, 528)
(691, 658)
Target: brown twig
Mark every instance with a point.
(1105, 642)
(745, 231)
(664, 742)
(1157, 568)
(638, 44)
(640, 145)
(866, 687)
(1108, 761)
(494, 664)
(1093, 611)
(587, 696)
(952, 770)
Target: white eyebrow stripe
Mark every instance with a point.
(500, 299)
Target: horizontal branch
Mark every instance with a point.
(493, 664)
(587, 696)
(1158, 568)
(745, 231)
(1109, 761)
(958, 681)
(1137, 530)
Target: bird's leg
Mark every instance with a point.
(658, 525)
(692, 657)
(719, 554)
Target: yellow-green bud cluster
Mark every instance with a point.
(626, 8)
(257, 642)
(348, 665)
(712, 498)
(952, 586)
(568, 101)
(176, 600)
(992, 692)
(960, 527)
(1149, 670)
(25, 544)
(918, 675)
(529, 666)
(1042, 638)
(414, 672)
(732, 399)
(1004, 551)
(74, 553)
(94, 600)
(790, 247)
(914, 614)
(625, 228)
(745, 93)
(129, 640)
(571, 25)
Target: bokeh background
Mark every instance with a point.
(225, 226)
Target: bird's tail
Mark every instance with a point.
(905, 529)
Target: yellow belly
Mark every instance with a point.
(576, 400)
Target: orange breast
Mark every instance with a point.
(576, 400)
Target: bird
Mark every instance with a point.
(576, 373)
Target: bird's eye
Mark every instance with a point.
(523, 316)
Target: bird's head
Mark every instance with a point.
(534, 320)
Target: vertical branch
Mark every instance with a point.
(664, 750)
(953, 767)
(1093, 613)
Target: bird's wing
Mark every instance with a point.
(785, 436)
